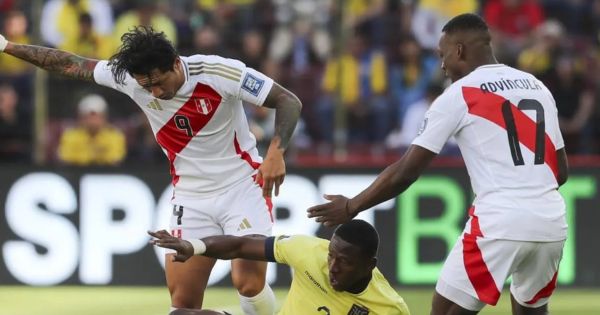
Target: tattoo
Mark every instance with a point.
(288, 107)
(54, 60)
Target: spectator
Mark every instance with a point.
(412, 123)
(430, 16)
(15, 30)
(511, 23)
(94, 141)
(145, 13)
(18, 72)
(88, 43)
(15, 128)
(207, 41)
(575, 104)
(359, 79)
(59, 21)
(411, 71)
(540, 57)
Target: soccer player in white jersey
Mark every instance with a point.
(194, 105)
(506, 126)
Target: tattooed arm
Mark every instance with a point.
(54, 60)
(287, 112)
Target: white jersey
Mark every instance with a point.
(506, 125)
(203, 130)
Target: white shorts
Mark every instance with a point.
(477, 268)
(241, 210)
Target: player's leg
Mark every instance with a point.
(518, 309)
(187, 281)
(473, 274)
(256, 296)
(534, 279)
(443, 306)
(245, 213)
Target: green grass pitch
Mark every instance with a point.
(65, 300)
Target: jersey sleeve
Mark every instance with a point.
(233, 78)
(445, 117)
(289, 250)
(103, 76)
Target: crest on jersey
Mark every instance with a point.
(422, 127)
(252, 84)
(358, 310)
(203, 105)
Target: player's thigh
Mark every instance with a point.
(475, 271)
(534, 278)
(244, 210)
(187, 281)
(190, 219)
(443, 306)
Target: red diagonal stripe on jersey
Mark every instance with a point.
(489, 106)
(174, 138)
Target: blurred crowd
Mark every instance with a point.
(365, 70)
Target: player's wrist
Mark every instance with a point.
(3, 43)
(198, 245)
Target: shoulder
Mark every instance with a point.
(212, 67)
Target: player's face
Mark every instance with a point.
(449, 52)
(162, 85)
(347, 265)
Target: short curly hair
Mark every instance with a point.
(142, 50)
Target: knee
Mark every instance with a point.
(181, 298)
(249, 284)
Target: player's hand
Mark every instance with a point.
(336, 211)
(163, 239)
(3, 43)
(272, 171)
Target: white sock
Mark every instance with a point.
(260, 304)
(171, 309)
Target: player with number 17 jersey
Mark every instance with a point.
(514, 181)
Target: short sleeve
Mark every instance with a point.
(103, 76)
(291, 250)
(255, 87)
(445, 118)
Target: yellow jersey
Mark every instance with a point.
(311, 293)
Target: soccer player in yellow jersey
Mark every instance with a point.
(336, 277)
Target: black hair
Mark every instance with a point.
(465, 22)
(142, 50)
(361, 234)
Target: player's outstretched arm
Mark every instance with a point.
(287, 112)
(394, 179)
(53, 60)
(220, 247)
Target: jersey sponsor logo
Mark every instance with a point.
(422, 127)
(203, 105)
(154, 104)
(324, 309)
(176, 233)
(252, 84)
(315, 282)
(358, 310)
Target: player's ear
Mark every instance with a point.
(460, 51)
